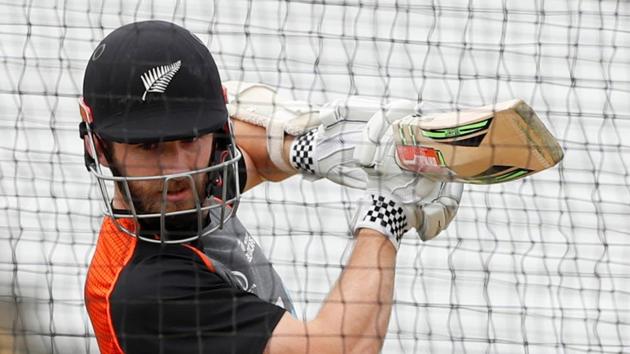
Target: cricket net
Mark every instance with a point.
(536, 265)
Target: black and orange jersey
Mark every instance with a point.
(152, 298)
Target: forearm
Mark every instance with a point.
(358, 308)
(355, 316)
(251, 139)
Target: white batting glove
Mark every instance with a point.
(325, 136)
(428, 205)
(328, 151)
(391, 204)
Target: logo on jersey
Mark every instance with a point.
(243, 282)
(158, 78)
(248, 246)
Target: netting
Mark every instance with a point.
(537, 265)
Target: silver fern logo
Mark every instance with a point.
(158, 78)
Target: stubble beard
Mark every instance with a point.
(146, 197)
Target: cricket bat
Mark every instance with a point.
(485, 145)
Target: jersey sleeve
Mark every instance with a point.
(176, 304)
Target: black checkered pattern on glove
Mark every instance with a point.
(386, 213)
(302, 152)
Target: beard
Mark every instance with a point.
(146, 197)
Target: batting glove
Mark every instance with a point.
(328, 151)
(413, 201)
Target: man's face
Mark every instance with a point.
(136, 160)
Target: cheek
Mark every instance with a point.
(202, 160)
(200, 155)
(202, 179)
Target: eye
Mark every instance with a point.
(148, 146)
(189, 141)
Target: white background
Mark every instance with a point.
(536, 265)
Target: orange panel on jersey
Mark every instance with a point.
(113, 250)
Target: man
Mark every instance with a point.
(174, 271)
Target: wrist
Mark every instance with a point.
(302, 153)
(374, 238)
(384, 215)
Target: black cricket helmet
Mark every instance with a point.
(154, 82)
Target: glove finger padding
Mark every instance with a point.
(343, 122)
(342, 133)
(348, 109)
(427, 205)
(378, 126)
(430, 205)
(328, 151)
(438, 213)
(395, 196)
(393, 204)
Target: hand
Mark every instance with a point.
(328, 151)
(392, 205)
(427, 205)
(325, 136)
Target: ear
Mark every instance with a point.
(99, 150)
(88, 139)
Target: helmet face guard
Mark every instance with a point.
(221, 195)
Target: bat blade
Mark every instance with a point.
(484, 145)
